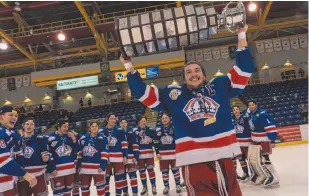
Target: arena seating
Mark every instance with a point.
(280, 99)
(130, 111)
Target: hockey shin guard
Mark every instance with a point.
(176, 173)
(133, 180)
(142, 173)
(152, 176)
(165, 176)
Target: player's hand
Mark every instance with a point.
(158, 156)
(45, 158)
(134, 161)
(244, 29)
(273, 145)
(100, 171)
(78, 169)
(125, 160)
(31, 179)
(141, 133)
(125, 60)
(54, 173)
(149, 140)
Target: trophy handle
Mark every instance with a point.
(118, 38)
(239, 5)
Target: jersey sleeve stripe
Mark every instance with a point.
(150, 97)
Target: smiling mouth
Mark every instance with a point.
(195, 79)
(12, 123)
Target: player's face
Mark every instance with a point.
(194, 75)
(143, 122)
(123, 124)
(15, 116)
(64, 128)
(252, 106)
(165, 120)
(8, 120)
(94, 128)
(29, 126)
(236, 111)
(112, 120)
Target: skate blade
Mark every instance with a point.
(272, 186)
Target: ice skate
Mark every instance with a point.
(272, 180)
(178, 189)
(244, 178)
(154, 190)
(144, 191)
(166, 190)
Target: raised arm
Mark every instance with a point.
(150, 96)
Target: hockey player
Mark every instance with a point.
(92, 160)
(118, 153)
(62, 145)
(205, 136)
(133, 155)
(145, 137)
(243, 134)
(8, 166)
(36, 156)
(264, 134)
(166, 150)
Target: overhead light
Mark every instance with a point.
(3, 45)
(88, 94)
(61, 36)
(252, 6)
(175, 82)
(27, 99)
(219, 73)
(7, 102)
(265, 67)
(17, 7)
(288, 64)
(47, 97)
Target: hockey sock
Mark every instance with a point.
(85, 191)
(75, 192)
(107, 184)
(244, 166)
(176, 173)
(119, 181)
(125, 183)
(152, 176)
(165, 176)
(101, 190)
(133, 179)
(142, 173)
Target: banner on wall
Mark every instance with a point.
(199, 55)
(121, 76)
(268, 46)
(4, 84)
(19, 81)
(11, 84)
(26, 80)
(152, 72)
(303, 41)
(190, 56)
(294, 42)
(207, 54)
(77, 82)
(285, 43)
(224, 52)
(216, 53)
(277, 45)
(260, 47)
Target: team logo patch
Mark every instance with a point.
(112, 141)
(145, 140)
(54, 143)
(167, 140)
(239, 129)
(194, 111)
(64, 150)
(2, 144)
(28, 152)
(89, 151)
(159, 133)
(174, 94)
(251, 124)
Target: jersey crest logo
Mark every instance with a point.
(64, 150)
(239, 129)
(174, 94)
(251, 124)
(112, 141)
(89, 151)
(145, 140)
(54, 143)
(194, 111)
(2, 144)
(167, 140)
(28, 152)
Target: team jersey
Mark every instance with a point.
(63, 151)
(243, 130)
(117, 142)
(165, 142)
(34, 148)
(133, 147)
(264, 128)
(145, 141)
(201, 117)
(92, 153)
(8, 166)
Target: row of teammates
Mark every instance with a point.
(70, 161)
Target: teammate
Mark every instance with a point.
(243, 134)
(9, 168)
(205, 136)
(165, 150)
(62, 145)
(264, 134)
(92, 160)
(133, 155)
(118, 153)
(36, 156)
(145, 137)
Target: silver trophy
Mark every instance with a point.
(173, 28)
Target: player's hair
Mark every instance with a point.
(92, 122)
(251, 101)
(61, 121)
(27, 119)
(140, 118)
(236, 107)
(109, 115)
(166, 114)
(190, 63)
